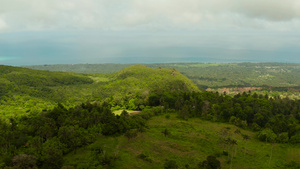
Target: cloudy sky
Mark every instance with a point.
(137, 31)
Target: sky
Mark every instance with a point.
(34, 32)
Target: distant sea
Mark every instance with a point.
(19, 49)
(156, 56)
(155, 59)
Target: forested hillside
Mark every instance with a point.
(26, 90)
(276, 79)
(208, 74)
(173, 125)
(23, 90)
(66, 120)
(107, 68)
(130, 88)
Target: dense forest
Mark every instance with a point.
(67, 120)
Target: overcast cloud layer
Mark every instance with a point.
(31, 15)
(92, 29)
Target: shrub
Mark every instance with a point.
(292, 165)
(267, 135)
(295, 139)
(283, 137)
(24, 161)
(211, 162)
(170, 164)
(145, 157)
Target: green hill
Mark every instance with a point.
(26, 90)
(23, 90)
(130, 87)
(139, 78)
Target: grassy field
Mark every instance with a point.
(118, 112)
(188, 143)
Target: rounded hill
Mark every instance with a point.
(140, 81)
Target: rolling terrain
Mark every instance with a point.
(66, 120)
(27, 90)
(276, 79)
(213, 75)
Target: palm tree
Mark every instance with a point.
(166, 132)
(232, 142)
(246, 138)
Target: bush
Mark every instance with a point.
(170, 164)
(292, 165)
(211, 162)
(24, 161)
(131, 134)
(256, 127)
(283, 137)
(295, 139)
(225, 153)
(267, 135)
(145, 157)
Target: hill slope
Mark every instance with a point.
(188, 143)
(23, 90)
(139, 78)
(130, 87)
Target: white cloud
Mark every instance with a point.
(3, 25)
(21, 15)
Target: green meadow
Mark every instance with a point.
(188, 143)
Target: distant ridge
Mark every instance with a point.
(209, 75)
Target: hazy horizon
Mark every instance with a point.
(152, 31)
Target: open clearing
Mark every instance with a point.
(130, 112)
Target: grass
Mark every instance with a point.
(99, 78)
(189, 142)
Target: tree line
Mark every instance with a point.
(41, 140)
(276, 119)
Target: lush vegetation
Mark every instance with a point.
(187, 145)
(275, 79)
(213, 75)
(25, 90)
(42, 140)
(276, 119)
(131, 87)
(173, 124)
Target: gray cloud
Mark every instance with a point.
(31, 15)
